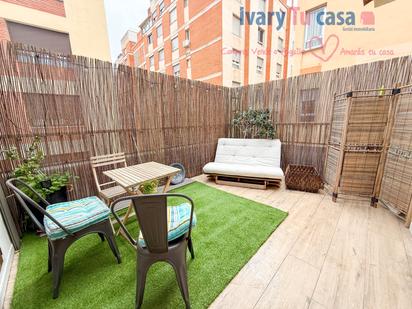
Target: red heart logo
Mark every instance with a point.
(328, 49)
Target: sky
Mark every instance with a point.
(123, 15)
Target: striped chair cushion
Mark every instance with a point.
(75, 216)
(178, 220)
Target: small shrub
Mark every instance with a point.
(149, 187)
(255, 124)
(29, 170)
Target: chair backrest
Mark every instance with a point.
(114, 160)
(151, 212)
(261, 152)
(16, 186)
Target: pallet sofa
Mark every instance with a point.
(252, 163)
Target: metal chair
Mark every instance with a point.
(58, 246)
(151, 211)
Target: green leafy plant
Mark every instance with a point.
(29, 171)
(149, 187)
(255, 124)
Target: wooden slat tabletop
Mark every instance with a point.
(135, 175)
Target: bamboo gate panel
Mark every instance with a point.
(356, 142)
(396, 191)
(336, 134)
(83, 107)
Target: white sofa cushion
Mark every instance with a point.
(255, 152)
(245, 170)
(255, 158)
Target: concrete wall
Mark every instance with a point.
(55, 7)
(391, 37)
(84, 21)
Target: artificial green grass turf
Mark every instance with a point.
(230, 230)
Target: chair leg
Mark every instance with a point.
(125, 218)
(142, 269)
(101, 235)
(112, 242)
(59, 251)
(49, 258)
(191, 249)
(181, 275)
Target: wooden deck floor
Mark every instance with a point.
(325, 255)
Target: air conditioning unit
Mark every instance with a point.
(186, 43)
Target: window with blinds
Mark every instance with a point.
(151, 62)
(236, 28)
(314, 31)
(173, 16)
(159, 31)
(261, 36)
(175, 44)
(161, 55)
(262, 5)
(54, 41)
(236, 58)
(308, 99)
(279, 69)
(161, 7)
(176, 70)
(259, 65)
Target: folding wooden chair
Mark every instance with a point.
(109, 191)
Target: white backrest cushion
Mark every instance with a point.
(262, 152)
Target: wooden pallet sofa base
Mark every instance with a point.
(253, 183)
(250, 163)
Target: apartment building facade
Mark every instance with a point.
(357, 31)
(70, 27)
(207, 41)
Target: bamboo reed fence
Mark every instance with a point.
(301, 106)
(396, 188)
(83, 107)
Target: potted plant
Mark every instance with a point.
(53, 188)
(255, 124)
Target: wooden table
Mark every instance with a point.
(131, 177)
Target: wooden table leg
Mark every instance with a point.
(129, 209)
(167, 185)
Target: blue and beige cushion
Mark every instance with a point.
(178, 220)
(75, 216)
